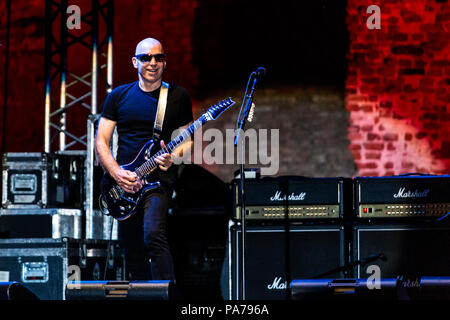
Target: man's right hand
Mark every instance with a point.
(127, 180)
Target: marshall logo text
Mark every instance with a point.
(411, 194)
(277, 284)
(292, 196)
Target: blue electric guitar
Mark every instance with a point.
(121, 205)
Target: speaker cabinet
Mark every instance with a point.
(274, 257)
(410, 249)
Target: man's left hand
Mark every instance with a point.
(164, 160)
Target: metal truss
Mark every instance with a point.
(67, 85)
(78, 74)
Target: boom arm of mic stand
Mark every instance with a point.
(350, 266)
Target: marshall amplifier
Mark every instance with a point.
(308, 250)
(300, 197)
(402, 196)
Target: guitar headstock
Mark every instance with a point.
(216, 110)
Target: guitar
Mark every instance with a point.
(120, 204)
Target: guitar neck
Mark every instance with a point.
(151, 164)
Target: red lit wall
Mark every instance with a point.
(397, 87)
(171, 22)
(24, 121)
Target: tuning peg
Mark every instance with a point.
(251, 113)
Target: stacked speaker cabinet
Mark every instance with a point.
(276, 254)
(303, 228)
(403, 218)
(295, 230)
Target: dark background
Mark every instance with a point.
(298, 42)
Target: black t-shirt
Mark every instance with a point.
(134, 110)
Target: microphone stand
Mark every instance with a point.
(350, 266)
(248, 103)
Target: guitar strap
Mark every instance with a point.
(159, 119)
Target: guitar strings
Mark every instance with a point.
(150, 164)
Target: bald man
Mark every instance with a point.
(132, 108)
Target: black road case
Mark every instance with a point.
(44, 265)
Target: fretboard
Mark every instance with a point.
(151, 164)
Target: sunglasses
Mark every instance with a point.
(159, 57)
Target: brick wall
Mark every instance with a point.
(397, 87)
(312, 123)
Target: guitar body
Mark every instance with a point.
(120, 204)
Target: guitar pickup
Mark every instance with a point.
(114, 194)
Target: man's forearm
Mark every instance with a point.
(106, 159)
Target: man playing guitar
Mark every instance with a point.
(132, 108)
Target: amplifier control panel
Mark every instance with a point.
(403, 210)
(294, 212)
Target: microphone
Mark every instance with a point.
(260, 72)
